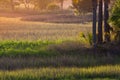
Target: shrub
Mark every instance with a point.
(115, 14)
(85, 38)
(115, 19)
(53, 7)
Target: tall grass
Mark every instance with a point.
(102, 72)
(58, 53)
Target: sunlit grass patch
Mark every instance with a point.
(14, 48)
(25, 48)
(91, 73)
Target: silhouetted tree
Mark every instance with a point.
(106, 17)
(100, 19)
(94, 5)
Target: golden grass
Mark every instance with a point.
(15, 29)
(109, 72)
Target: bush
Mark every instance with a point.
(115, 14)
(53, 7)
(115, 19)
(85, 38)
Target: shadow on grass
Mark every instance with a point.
(68, 54)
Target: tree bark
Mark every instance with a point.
(94, 5)
(100, 19)
(106, 17)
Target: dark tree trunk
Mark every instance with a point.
(106, 17)
(94, 5)
(100, 19)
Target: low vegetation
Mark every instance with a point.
(30, 30)
(39, 54)
(95, 73)
(33, 49)
(24, 48)
(115, 17)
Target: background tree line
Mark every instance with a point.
(38, 4)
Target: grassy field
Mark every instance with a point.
(15, 29)
(35, 48)
(94, 73)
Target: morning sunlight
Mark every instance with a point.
(59, 39)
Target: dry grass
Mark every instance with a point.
(16, 29)
(68, 54)
(92, 73)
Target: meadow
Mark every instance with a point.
(94, 73)
(27, 30)
(52, 50)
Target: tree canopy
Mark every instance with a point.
(115, 14)
(82, 5)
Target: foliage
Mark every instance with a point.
(10, 4)
(82, 6)
(115, 19)
(115, 14)
(87, 39)
(53, 6)
(41, 4)
(5, 3)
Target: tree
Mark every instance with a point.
(94, 6)
(100, 19)
(41, 4)
(83, 6)
(5, 3)
(115, 19)
(8, 4)
(106, 17)
(26, 3)
(115, 14)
